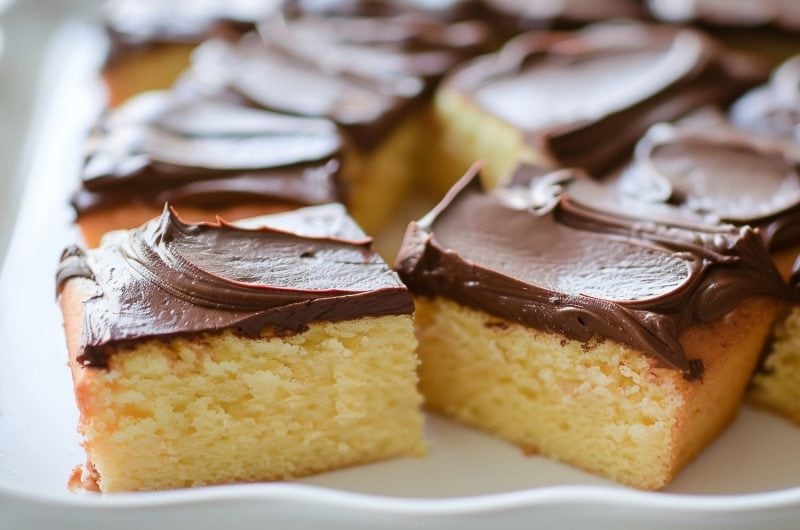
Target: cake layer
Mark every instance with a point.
(170, 278)
(544, 262)
(597, 404)
(582, 98)
(199, 152)
(220, 408)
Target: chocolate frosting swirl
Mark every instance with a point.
(364, 73)
(515, 16)
(708, 176)
(161, 148)
(751, 13)
(583, 99)
(138, 24)
(773, 109)
(543, 261)
(169, 278)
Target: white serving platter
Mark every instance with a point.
(748, 478)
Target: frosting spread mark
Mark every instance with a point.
(558, 266)
(170, 278)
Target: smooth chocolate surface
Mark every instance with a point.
(445, 10)
(521, 15)
(584, 98)
(749, 13)
(529, 255)
(773, 109)
(137, 24)
(706, 176)
(160, 147)
(363, 72)
(170, 278)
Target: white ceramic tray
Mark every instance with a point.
(748, 478)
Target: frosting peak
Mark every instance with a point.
(170, 278)
(558, 266)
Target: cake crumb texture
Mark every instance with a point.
(777, 386)
(221, 408)
(598, 405)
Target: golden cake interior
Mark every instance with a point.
(598, 405)
(467, 134)
(776, 386)
(154, 67)
(221, 408)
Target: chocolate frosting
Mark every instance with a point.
(584, 98)
(750, 13)
(364, 73)
(773, 109)
(161, 148)
(520, 15)
(531, 256)
(139, 24)
(444, 10)
(170, 278)
(707, 176)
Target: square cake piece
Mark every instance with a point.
(207, 158)
(621, 348)
(211, 353)
(579, 99)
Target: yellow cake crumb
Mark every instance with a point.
(598, 405)
(223, 408)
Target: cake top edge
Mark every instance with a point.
(170, 278)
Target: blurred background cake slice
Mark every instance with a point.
(372, 75)
(207, 158)
(767, 28)
(211, 353)
(579, 99)
(150, 40)
(620, 353)
(772, 109)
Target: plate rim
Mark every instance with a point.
(561, 495)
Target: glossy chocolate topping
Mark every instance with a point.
(528, 256)
(161, 148)
(748, 13)
(582, 99)
(135, 24)
(773, 109)
(445, 10)
(708, 176)
(364, 73)
(521, 15)
(169, 278)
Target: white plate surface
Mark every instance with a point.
(747, 478)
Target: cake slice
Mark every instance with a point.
(713, 175)
(579, 99)
(150, 41)
(211, 353)
(371, 74)
(621, 353)
(207, 158)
